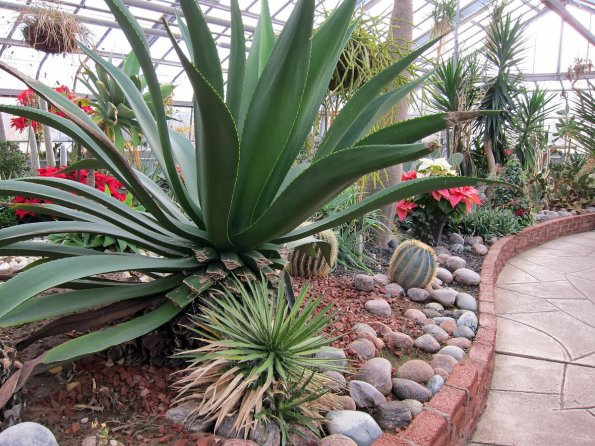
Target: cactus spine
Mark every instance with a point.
(300, 264)
(413, 265)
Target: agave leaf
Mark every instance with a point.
(237, 62)
(49, 250)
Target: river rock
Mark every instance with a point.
(454, 351)
(435, 383)
(394, 290)
(180, 413)
(392, 415)
(381, 279)
(335, 354)
(459, 342)
(345, 402)
(414, 406)
(359, 426)
(468, 319)
(27, 434)
(431, 313)
(335, 380)
(415, 370)
(378, 343)
(360, 327)
(364, 348)
(378, 307)
(456, 238)
(443, 258)
(441, 250)
(449, 325)
(380, 328)
(464, 332)
(445, 297)
(337, 440)
(396, 341)
(444, 362)
(439, 334)
(434, 306)
(415, 314)
(444, 275)
(427, 343)
(363, 282)
(466, 276)
(457, 248)
(479, 249)
(418, 295)
(454, 263)
(365, 394)
(443, 373)
(466, 301)
(377, 372)
(405, 389)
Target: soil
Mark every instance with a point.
(74, 401)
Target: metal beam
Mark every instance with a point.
(561, 10)
(544, 77)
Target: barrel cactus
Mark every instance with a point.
(301, 263)
(413, 265)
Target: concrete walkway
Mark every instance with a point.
(543, 390)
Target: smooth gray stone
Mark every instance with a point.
(405, 389)
(466, 301)
(393, 414)
(365, 394)
(452, 350)
(335, 354)
(359, 426)
(469, 320)
(27, 434)
(435, 384)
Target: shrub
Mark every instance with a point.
(516, 200)
(8, 217)
(13, 162)
(488, 223)
(259, 360)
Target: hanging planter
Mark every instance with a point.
(53, 31)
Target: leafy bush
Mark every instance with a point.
(259, 359)
(487, 223)
(8, 217)
(238, 201)
(515, 200)
(13, 162)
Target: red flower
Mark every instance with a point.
(438, 194)
(27, 97)
(466, 194)
(411, 175)
(520, 212)
(507, 152)
(404, 207)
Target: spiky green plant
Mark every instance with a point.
(238, 200)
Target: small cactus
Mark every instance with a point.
(300, 264)
(413, 265)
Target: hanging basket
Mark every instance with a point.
(53, 31)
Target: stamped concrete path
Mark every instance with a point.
(543, 390)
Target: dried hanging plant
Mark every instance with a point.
(53, 31)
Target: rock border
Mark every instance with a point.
(451, 417)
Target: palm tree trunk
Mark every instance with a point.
(489, 154)
(34, 151)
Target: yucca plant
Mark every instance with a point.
(259, 359)
(238, 199)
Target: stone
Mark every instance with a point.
(393, 243)
(431, 313)
(363, 282)
(448, 313)
(359, 426)
(454, 351)
(364, 348)
(427, 343)
(302, 436)
(444, 362)
(443, 258)
(27, 434)
(434, 306)
(414, 406)
(380, 328)
(440, 320)
(239, 442)
(365, 394)
(456, 238)
(468, 319)
(392, 415)
(466, 276)
(449, 326)
(376, 371)
(378, 343)
(378, 307)
(464, 332)
(446, 297)
(444, 275)
(415, 370)
(345, 402)
(337, 440)
(396, 341)
(405, 389)
(480, 249)
(266, 434)
(454, 263)
(335, 354)
(181, 415)
(457, 248)
(443, 373)
(438, 333)
(335, 381)
(415, 314)
(435, 384)
(381, 279)
(457, 313)
(4, 266)
(394, 290)
(418, 295)
(441, 250)
(436, 284)
(459, 342)
(466, 302)
(91, 440)
(361, 328)
(564, 213)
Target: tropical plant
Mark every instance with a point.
(487, 222)
(583, 109)
(504, 51)
(238, 200)
(13, 162)
(8, 216)
(258, 359)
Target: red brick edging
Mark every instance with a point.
(451, 417)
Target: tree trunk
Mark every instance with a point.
(489, 154)
(401, 33)
(34, 152)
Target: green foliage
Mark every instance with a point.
(413, 265)
(13, 162)
(515, 200)
(238, 198)
(488, 223)
(8, 217)
(259, 359)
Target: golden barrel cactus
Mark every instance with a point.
(300, 264)
(413, 265)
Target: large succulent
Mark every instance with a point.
(238, 199)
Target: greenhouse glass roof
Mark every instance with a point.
(552, 45)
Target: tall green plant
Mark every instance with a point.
(238, 200)
(504, 51)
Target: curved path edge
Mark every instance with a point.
(451, 417)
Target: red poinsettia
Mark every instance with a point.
(411, 175)
(404, 207)
(466, 194)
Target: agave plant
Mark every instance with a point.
(238, 199)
